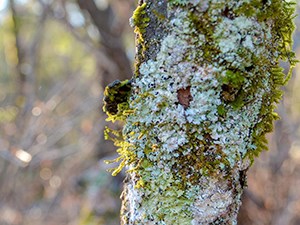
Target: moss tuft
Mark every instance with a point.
(282, 13)
(140, 21)
(116, 97)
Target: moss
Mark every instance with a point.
(116, 97)
(232, 83)
(207, 160)
(282, 13)
(140, 21)
(221, 110)
(126, 155)
(233, 79)
(116, 106)
(201, 24)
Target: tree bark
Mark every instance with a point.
(206, 83)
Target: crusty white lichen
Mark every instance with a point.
(188, 156)
(212, 202)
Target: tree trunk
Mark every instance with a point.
(206, 83)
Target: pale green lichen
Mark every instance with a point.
(225, 55)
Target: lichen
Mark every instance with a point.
(201, 107)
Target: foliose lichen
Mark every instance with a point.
(202, 107)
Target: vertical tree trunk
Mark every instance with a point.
(206, 82)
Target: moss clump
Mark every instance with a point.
(232, 83)
(221, 110)
(202, 24)
(116, 106)
(282, 13)
(141, 21)
(116, 97)
(125, 150)
(207, 159)
(233, 79)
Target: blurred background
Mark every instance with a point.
(55, 58)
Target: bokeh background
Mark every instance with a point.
(55, 58)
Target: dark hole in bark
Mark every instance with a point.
(228, 93)
(249, 68)
(243, 178)
(227, 13)
(184, 97)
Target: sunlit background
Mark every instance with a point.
(55, 58)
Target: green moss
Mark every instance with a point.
(116, 106)
(198, 158)
(282, 13)
(116, 97)
(141, 22)
(233, 79)
(125, 151)
(201, 24)
(221, 110)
